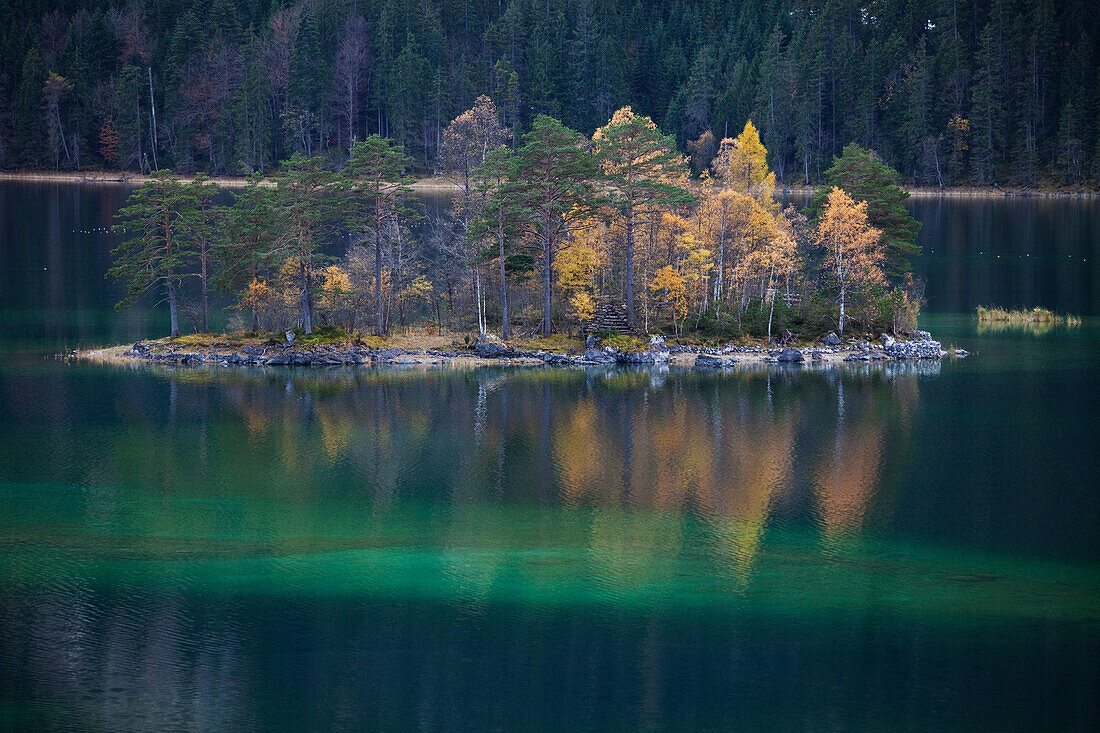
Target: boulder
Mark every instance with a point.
(597, 356)
(831, 340)
(961, 353)
(923, 335)
(790, 356)
(657, 341)
(914, 349)
(490, 347)
(641, 357)
(815, 355)
(708, 361)
(590, 342)
(887, 340)
(556, 359)
(290, 337)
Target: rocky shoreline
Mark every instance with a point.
(491, 351)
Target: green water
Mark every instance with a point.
(848, 549)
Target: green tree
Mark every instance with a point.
(864, 177)
(502, 214)
(376, 177)
(201, 226)
(250, 232)
(643, 173)
(557, 172)
(307, 209)
(152, 252)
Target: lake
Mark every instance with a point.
(909, 546)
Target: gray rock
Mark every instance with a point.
(923, 335)
(961, 353)
(887, 340)
(815, 355)
(790, 356)
(914, 349)
(590, 342)
(636, 357)
(290, 337)
(252, 351)
(598, 357)
(556, 359)
(831, 340)
(708, 361)
(493, 350)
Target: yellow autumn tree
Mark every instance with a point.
(853, 250)
(336, 291)
(576, 266)
(723, 218)
(742, 164)
(669, 286)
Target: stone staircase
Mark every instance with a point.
(611, 315)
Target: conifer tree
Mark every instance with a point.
(376, 178)
(152, 252)
(502, 215)
(864, 177)
(306, 206)
(642, 172)
(557, 172)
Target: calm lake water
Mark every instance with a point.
(851, 548)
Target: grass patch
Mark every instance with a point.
(1037, 320)
(558, 343)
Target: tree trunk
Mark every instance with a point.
(630, 266)
(205, 296)
(505, 331)
(307, 298)
(840, 325)
(379, 323)
(546, 251)
(153, 118)
(172, 311)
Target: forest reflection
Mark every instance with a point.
(726, 452)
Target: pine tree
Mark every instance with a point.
(375, 177)
(502, 215)
(864, 177)
(643, 172)
(307, 209)
(152, 252)
(557, 172)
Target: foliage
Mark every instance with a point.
(864, 176)
(853, 252)
(152, 252)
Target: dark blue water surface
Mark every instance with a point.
(842, 548)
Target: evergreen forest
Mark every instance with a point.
(946, 92)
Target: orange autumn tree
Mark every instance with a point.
(854, 255)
